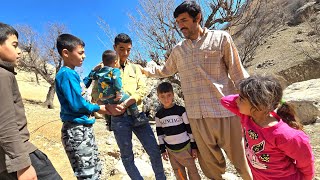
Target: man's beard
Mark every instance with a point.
(188, 34)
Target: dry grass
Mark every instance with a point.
(281, 49)
(44, 124)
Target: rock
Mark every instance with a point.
(303, 71)
(312, 33)
(266, 64)
(305, 96)
(119, 177)
(298, 40)
(144, 168)
(111, 140)
(230, 176)
(302, 14)
(151, 102)
(318, 120)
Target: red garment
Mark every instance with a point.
(277, 152)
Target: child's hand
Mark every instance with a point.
(99, 66)
(123, 105)
(118, 97)
(115, 109)
(194, 153)
(165, 156)
(27, 173)
(103, 110)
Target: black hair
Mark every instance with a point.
(69, 42)
(108, 56)
(122, 38)
(164, 87)
(288, 115)
(264, 94)
(5, 31)
(190, 7)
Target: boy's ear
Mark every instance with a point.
(65, 53)
(114, 47)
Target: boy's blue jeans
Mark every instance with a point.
(122, 127)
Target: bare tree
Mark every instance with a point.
(311, 50)
(248, 37)
(158, 33)
(40, 55)
(156, 30)
(155, 27)
(231, 12)
(272, 16)
(111, 34)
(28, 39)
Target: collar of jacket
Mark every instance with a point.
(7, 66)
(125, 64)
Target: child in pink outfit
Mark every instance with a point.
(276, 147)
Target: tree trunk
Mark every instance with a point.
(49, 100)
(37, 78)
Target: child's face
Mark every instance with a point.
(166, 99)
(74, 58)
(123, 51)
(9, 50)
(244, 106)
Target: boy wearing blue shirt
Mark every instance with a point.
(77, 131)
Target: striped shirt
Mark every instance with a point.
(209, 68)
(173, 129)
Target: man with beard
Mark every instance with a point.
(210, 68)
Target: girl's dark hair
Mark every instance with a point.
(264, 94)
(288, 115)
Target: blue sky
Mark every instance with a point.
(80, 17)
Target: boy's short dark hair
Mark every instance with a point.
(164, 87)
(69, 42)
(5, 31)
(108, 56)
(190, 7)
(122, 38)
